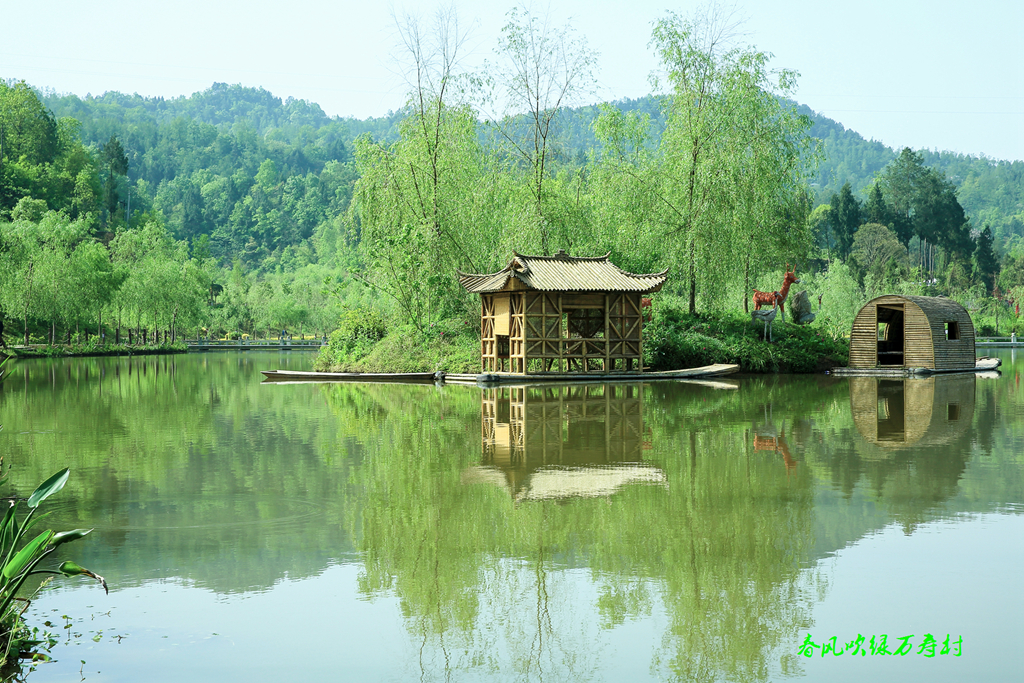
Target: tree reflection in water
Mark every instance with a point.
(522, 530)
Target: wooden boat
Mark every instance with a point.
(295, 376)
(493, 378)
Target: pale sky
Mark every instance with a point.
(932, 74)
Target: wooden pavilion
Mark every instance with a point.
(892, 331)
(561, 313)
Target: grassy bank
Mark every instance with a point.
(363, 343)
(672, 340)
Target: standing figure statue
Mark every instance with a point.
(776, 298)
(767, 317)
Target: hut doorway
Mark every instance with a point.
(891, 334)
(891, 426)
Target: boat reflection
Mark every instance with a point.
(899, 413)
(581, 441)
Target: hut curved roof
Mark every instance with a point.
(932, 306)
(563, 273)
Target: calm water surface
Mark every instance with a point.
(670, 531)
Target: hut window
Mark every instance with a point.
(952, 412)
(586, 323)
(952, 331)
(503, 347)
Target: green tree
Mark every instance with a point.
(879, 252)
(924, 204)
(875, 209)
(427, 204)
(846, 218)
(541, 70)
(116, 162)
(986, 267)
(725, 172)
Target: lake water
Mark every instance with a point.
(670, 531)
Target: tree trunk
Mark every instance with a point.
(693, 278)
(746, 285)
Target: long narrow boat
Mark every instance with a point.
(986, 364)
(295, 376)
(716, 370)
(491, 378)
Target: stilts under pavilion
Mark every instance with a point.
(561, 314)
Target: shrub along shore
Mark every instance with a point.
(672, 340)
(62, 351)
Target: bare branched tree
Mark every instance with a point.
(540, 70)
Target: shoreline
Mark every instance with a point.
(51, 352)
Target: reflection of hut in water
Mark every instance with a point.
(899, 413)
(912, 332)
(563, 441)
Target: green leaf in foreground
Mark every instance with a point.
(68, 536)
(49, 487)
(25, 556)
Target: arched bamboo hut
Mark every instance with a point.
(561, 313)
(933, 333)
(920, 412)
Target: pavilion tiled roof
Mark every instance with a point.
(564, 273)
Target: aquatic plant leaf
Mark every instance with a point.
(49, 487)
(68, 536)
(8, 528)
(69, 568)
(25, 556)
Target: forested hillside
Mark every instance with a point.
(201, 161)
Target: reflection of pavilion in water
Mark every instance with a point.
(899, 413)
(559, 442)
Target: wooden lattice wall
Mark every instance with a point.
(561, 332)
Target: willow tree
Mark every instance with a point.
(418, 199)
(541, 69)
(728, 161)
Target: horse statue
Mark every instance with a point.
(776, 298)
